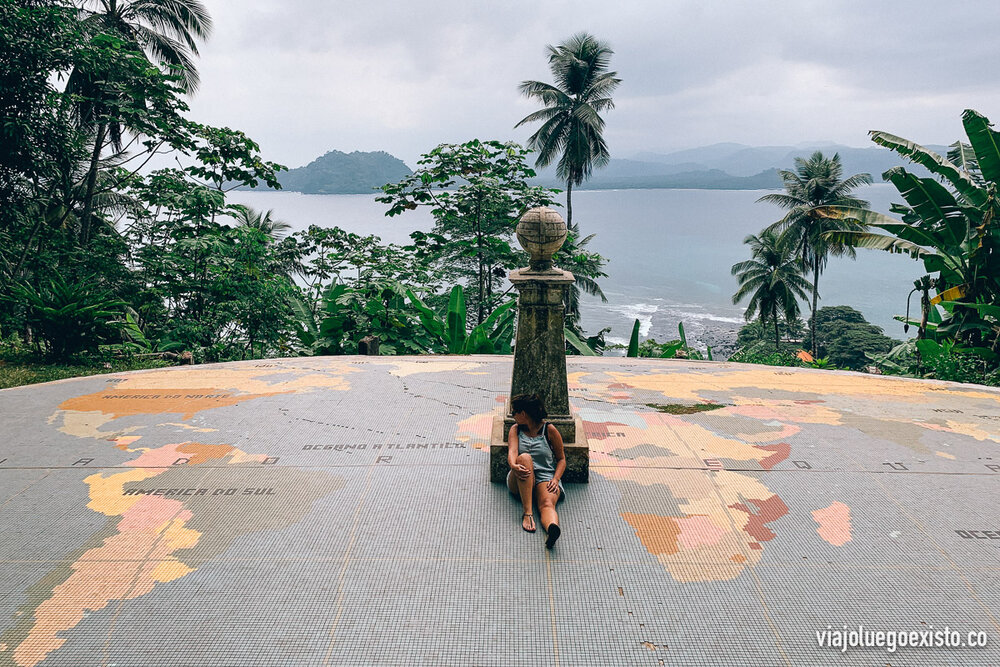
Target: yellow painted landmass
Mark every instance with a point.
(689, 384)
(404, 367)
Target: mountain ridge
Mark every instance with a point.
(722, 166)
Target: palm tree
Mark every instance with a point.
(815, 183)
(772, 278)
(586, 267)
(572, 126)
(165, 30)
(251, 218)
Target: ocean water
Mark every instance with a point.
(669, 254)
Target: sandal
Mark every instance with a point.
(553, 531)
(528, 514)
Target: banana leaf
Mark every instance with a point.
(876, 242)
(949, 294)
(983, 308)
(930, 349)
(432, 323)
(670, 349)
(304, 319)
(490, 322)
(916, 323)
(478, 342)
(919, 237)
(985, 142)
(633, 343)
(577, 344)
(503, 335)
(456, 321)
(934, 163)
(962, 155)
(932, 202)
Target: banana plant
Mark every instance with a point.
(668, 350)
(492, 336)
(324, 331)
(954, 230)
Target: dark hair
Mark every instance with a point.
(532, 404)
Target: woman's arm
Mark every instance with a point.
(555, 438)
(512, 448)
(512, 452)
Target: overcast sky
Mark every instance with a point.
(303, 77)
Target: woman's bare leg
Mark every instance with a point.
(523, 487)
(547, 505)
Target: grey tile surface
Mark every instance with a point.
(338, 511)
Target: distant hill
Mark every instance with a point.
(730, 166)
(338, 173)
(742, 160)
(632, 174)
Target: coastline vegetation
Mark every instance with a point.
(951, 225)
(105, 262)
(107, 265)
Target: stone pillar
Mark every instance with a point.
(540, 344)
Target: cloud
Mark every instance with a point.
(307, 76)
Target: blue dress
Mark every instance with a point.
(542, 456)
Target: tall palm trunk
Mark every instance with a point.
(812, 317)
(88, 199)
(569, 202)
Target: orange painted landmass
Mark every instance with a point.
(657, 533)
(126, 402)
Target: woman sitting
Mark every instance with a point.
(537, 463)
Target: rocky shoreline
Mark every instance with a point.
(721, 338)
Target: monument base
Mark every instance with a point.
(577, 452)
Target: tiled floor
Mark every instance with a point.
(338, 511)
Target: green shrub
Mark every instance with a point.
(71, 317)
(763, 352)
(846, 339)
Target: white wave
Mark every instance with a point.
(684, 315)
(638, 311)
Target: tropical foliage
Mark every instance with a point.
(952, 227)
(846, 340)
(99, 256)
(675, 348)
(771, 278)
(816, 182)
(572, 129)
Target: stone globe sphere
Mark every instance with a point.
(541, 232)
